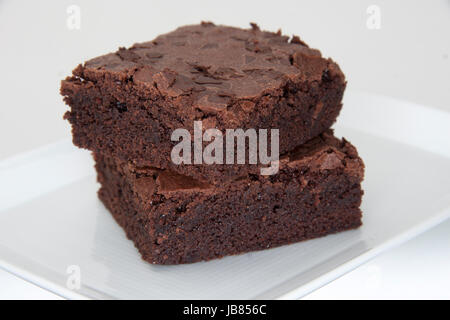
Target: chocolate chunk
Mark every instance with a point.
(154, 55)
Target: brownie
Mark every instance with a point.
(173, 218)
(127, 104)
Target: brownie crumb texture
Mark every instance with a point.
(174, 219)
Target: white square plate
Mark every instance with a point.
(51, 219)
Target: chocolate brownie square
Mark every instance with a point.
(127, 104)
(175, 219)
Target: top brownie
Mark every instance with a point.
(127, 104)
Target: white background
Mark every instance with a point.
(407, 58)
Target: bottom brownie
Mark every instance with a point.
(174, 219)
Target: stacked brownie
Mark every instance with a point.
(125, 107)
